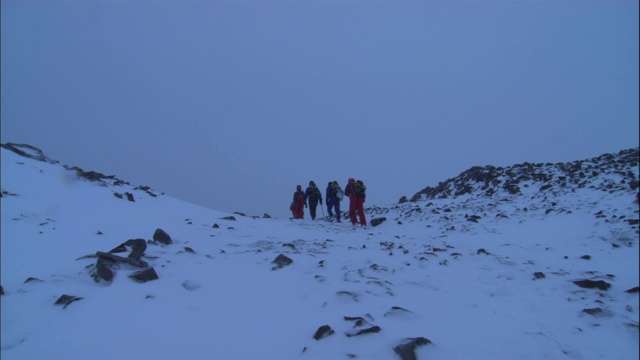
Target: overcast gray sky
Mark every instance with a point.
(230, 104)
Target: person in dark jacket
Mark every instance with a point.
(329, 199)
(314, 196)
(298, 204)
(336, 197)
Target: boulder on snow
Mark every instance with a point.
(281, 261)
(323, 332)
(590, 284)
(144, 275)
(406, 351)
(377, 221)
(67, 299)
(369, 330)
(103, 269)
(138, 246)
(162, 237)
(130, 196)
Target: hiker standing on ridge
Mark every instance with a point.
(298, 204)
(355, 190)
(329, 199)
(314, 195)
(334, 196)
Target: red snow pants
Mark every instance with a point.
(298, 210)
(356, 205)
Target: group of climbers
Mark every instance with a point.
(355, 191)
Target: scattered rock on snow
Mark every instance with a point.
(598, 312)
(397, 310)
(539, 275)
(145, 275)
(377, 221)
(130, 196)
(162, 237)
(406, 351)
(66, 300)
(370, 330)
(189, 250)
(323, 332)
(281, 261)
(590, 284)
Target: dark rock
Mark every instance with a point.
(232, 218)
(377, 221)
(130, 196)
(138, 247)
(92, 175)
(281, 261)
(66, 300)
(216, 226)
(266, 216)
(130, 261)
(30, 279)
(590, 284)
(370, 330)
(103, 269)
(539, 275)
(189, 250)
(406, 351)
(402, 200)
(144, 275)
(397, 310)
(323, 332)
(28, 151)
(594, 311)
(162, 237)
(585, 257)
(633, 290)
(357, 320)
(1, 290)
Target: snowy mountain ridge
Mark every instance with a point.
(534, 190)
(544, 273)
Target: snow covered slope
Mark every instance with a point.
(466, 276)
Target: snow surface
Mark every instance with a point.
(413, 276)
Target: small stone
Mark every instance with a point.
(323, 332)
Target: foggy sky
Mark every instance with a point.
(231, 104)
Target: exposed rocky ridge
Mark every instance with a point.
(481, 196)
(608, 172)
(35, 153)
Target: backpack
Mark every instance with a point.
(339, 192)
(359, 188)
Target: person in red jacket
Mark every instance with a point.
(355, 190)
(298, 204)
